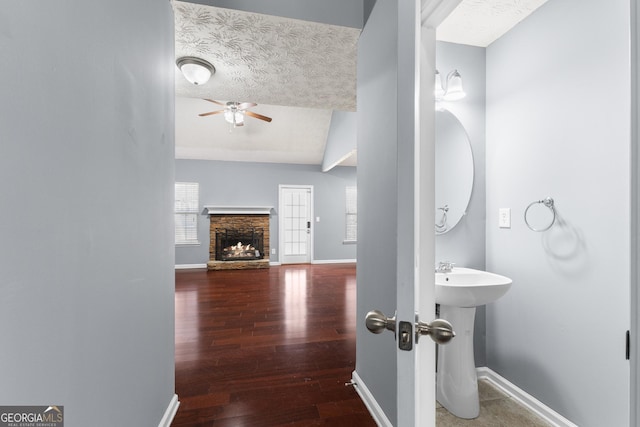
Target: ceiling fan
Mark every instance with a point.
(234, 112)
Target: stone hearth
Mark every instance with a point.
(238, 218)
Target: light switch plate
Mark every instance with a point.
(504, 217)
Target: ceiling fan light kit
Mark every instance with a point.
(197, 71)
(235, 118)
(234, 112)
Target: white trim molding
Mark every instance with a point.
(524, 398)
(189, 266)
(170, 413)
(369, 401)
(237, 210)
(333, 261)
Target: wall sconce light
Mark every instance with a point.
(197, 71)
(452, 91)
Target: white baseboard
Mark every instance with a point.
(369, 401)
(524, 398)
(516, 393)
(320, 261)
(333, 261)
(272, 263)
(189, 266)
(170, 413)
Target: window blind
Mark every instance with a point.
(186, 213)
(351, 214)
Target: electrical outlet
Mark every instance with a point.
(273, 251)
(504, 217)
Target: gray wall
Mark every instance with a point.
(86, 166)
(558, 125)
(465, 244)
(341, 139)
(256, 184)
(377, 220)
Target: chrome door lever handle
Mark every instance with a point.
(377, 322)
(439, 330)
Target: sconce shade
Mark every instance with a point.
(197, 71)
(454, 87)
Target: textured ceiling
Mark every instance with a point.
(481, 22)
(297, 71)
(268, 59)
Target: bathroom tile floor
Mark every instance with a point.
(497, 409)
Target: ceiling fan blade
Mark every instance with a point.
(215, 102)
(258, 116)
(246, 105)
(211, 112)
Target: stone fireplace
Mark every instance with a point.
(239, 237)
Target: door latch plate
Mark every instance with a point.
(405, 336)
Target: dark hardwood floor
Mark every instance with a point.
(268, 347)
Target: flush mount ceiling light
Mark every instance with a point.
(197, 71)
(452, 91)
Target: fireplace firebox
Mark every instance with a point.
(252, 219)
(239, 244)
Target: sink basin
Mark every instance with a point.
(466, 287)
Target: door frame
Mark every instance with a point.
(310, 242)
(634, 416)
(430, 13)
(414, 285)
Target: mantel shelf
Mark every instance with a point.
(238, 210)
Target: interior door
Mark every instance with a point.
(295, 224)
(396, 152)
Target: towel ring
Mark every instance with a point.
(548, 202)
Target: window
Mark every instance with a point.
(351, 214)
(186, 213)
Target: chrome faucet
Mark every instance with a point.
(444, 267)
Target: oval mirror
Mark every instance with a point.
(454, 171)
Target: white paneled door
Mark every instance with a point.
(296, 234)
(399, 67)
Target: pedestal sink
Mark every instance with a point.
(459, 292)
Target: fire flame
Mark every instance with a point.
(239, 250)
